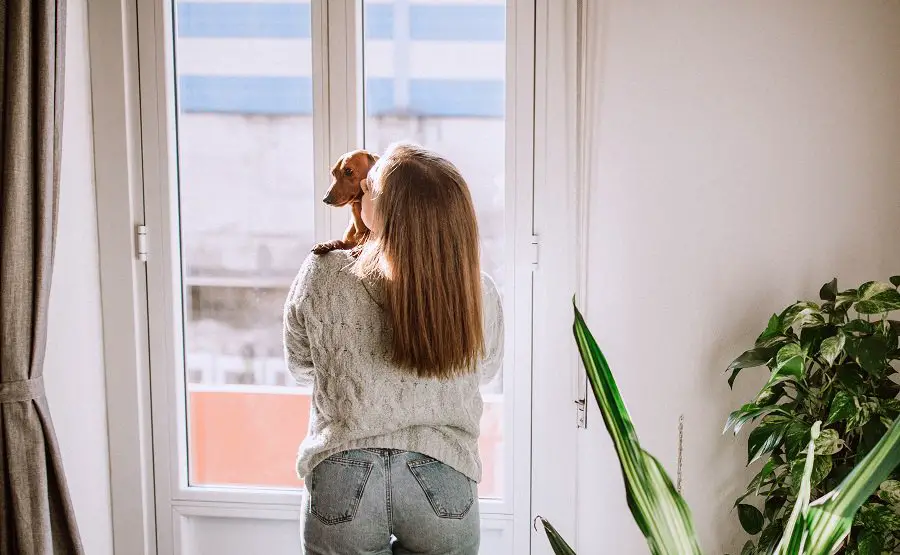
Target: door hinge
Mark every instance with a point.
(141, 238)
(581, 413)
(533, 250)
(581, 404)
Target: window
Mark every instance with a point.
(244, 105)
(444, 106)
(246, 194)
(246, 199)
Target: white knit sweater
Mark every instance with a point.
(336, 339)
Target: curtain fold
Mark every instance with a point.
(36, 515)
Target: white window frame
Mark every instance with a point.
(131, 89)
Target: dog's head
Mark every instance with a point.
(347, 176)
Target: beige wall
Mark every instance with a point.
(74, 364)
(749, 151)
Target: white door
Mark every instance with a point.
(251, 102)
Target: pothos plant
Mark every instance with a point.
(812, 528)
(832, 362)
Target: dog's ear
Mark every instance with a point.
(372, 157)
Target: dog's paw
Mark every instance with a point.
(324, 248)
(356, 251)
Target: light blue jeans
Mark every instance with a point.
(384, 502)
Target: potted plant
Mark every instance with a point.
(663, 516)
(829, 362)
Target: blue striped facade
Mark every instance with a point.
(444, 22)
(284, 95)
(293, 96)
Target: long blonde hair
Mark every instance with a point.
(426, 255)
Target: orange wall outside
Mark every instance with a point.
(239, 438)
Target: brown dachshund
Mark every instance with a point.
(346, 188)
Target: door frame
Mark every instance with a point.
(131, 148)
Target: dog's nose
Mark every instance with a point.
(327, 199)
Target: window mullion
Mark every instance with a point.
(338, 24)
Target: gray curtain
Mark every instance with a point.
(36, 514)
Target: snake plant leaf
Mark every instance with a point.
(818, 528)
(794, 531)
(829, 519)
(660, 512)
(559, 545)
(821, 527)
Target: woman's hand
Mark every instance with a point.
(368, 208)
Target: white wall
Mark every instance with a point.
(74, 364)
(748, 153)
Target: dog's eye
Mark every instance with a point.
(348, 172)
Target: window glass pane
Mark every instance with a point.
(245, 146)
(434, 75)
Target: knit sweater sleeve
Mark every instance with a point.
(494, 335)
(297, 352)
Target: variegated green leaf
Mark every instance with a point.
(829, 442)
(822, 465)
(877, 517)
(758, 356)
(773, 329)
(739, 418)
(751, 518)
(796, 437)
(889, 492)
(871, 354)
(832, 346)
(843, 407)
(769, 537)
(828, 292)
(767, 471)
(870, 543)
(800, 315)
(788, 364)
(765, 438)
(877, 298)
(859, 327)
(660, 512)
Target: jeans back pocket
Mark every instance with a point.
(450, 493)
(336, 486)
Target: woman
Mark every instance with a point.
(395, 344)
